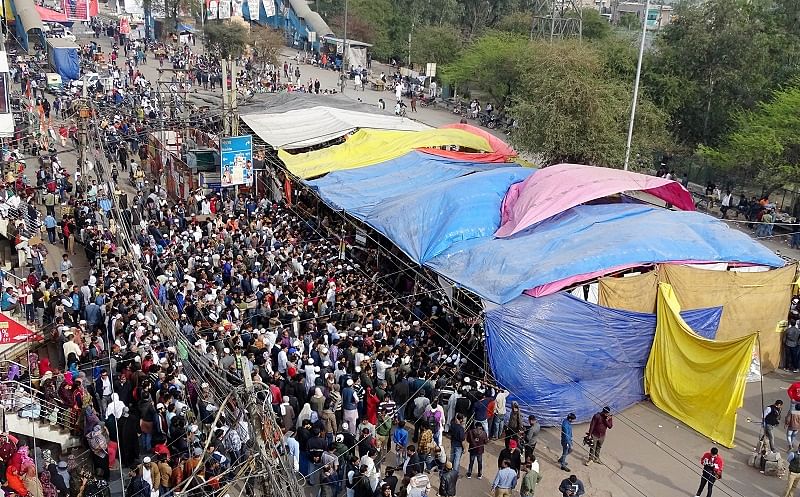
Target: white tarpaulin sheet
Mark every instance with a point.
(306, 127)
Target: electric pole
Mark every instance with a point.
(83, 115)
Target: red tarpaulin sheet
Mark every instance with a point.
(12, 331)
(502, 150)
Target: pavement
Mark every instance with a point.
(647, 453)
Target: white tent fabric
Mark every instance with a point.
(306, 127)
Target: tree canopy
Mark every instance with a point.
(764, 143)
(226, 38)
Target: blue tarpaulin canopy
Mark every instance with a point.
(358, 190)
(559, 354)
(427, 221)
(591, 238)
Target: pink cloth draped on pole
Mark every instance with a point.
(502, 151)
(555, 189)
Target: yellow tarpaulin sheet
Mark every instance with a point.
(696, 380)
(632, 293)
(366, 147)
(751, 302)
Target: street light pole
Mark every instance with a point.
(342, 77)
(636, 85)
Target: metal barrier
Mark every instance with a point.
(27, 402)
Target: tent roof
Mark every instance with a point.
(277, 103)
(311, 126)
(556, 188)
(27, 13)
(593, 238)
(503, 152)
(369, 146)
(359, 190)
(62, 43)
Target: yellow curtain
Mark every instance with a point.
(751, 302)
(698, 381)
(366, 147)
(632, 293)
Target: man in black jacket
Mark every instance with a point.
(448, 480)
(414, 463)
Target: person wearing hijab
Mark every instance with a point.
(13, 372)
(32, 483)
(115, 407)
(59, 475)
(305, 414)
(48, 489)
(128, 438)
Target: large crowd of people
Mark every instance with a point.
(363, 360)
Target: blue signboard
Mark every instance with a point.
(236, 160)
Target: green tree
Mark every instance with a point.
(569, 110)
(440, 44)
(764, 145)
(492, 64)
(629, 20)
(594, 26)
(225, 38)
(718, 57)
(516, 22)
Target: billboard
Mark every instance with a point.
(236, 162)
(12, 331)
(77, 10)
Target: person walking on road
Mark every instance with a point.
(448, 480)
(772, 418)
(566, 440)
(477, 440)
(793, 476)
(530, 478)
(505, 480)
(457, 438)
(712, 470)
(601, 422)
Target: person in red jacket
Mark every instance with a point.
(601, 422)
(712, 464)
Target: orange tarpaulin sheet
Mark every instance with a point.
(503, 152)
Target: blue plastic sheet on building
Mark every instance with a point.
(559, 354)
(357, 190)
(67, 63)
(428, 220)
(590, 238)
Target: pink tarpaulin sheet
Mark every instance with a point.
(554, 189)
(503, 152)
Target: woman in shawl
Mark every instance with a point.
(49, 392)
(32, 483)
(67, 395)
(372, 402)
(44, 365)
(90, 420)
(48, 489)
(98, 443)
(13, 372)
